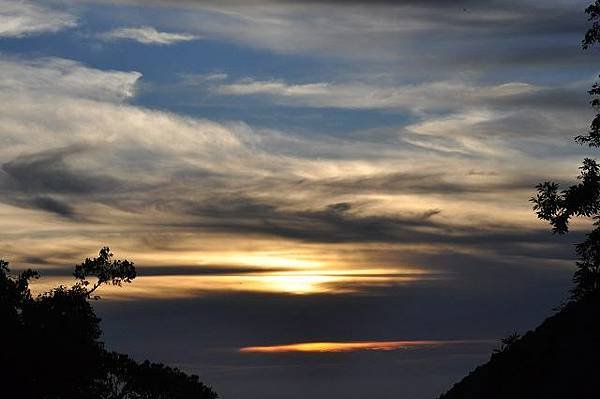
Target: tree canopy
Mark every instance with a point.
(51, 346)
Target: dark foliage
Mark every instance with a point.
(507, 343)
(105, 269)
(132, 380)
(592, 36)
(581, 199)
(51, 349)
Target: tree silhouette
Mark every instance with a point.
(129, 379)
(507, 343)
(50, 347)
(581, 199)
(105, 269)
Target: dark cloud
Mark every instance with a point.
(33, 260)
(246, 216)
(327, 225)
(430, 213)
(170, 270)
(207, 270)
(53, 205)
(47, 172)
(54, 180)
(44, 203)
(340, 207)
(419, 183)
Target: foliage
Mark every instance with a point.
(592, 36)
(105, 269)
(581, 199)
(128, 379)
(507, 342)
(51, 346)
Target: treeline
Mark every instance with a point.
(51, 348)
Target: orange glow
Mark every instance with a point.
(292, 282)
(321, 347)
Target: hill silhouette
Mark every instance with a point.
(559, 359)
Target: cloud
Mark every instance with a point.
(339, 347)
(48, 172)
(461, 117)
(148, 35)
(172, 189)
(414, 97)
(26, 18)
(50, 77)
(416, 36)
(53, 205)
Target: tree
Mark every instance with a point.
(507, 342)
(581, 199)
(128, 379)
(105, 269)
(51, 348)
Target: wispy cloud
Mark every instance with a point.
(424, 96)
(65, 78)
(148, 35)
(25, 18)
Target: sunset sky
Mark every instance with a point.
(324, 199)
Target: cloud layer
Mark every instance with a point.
(121, 170)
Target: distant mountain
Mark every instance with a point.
(559, 359)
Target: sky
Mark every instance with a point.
(324, 199)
